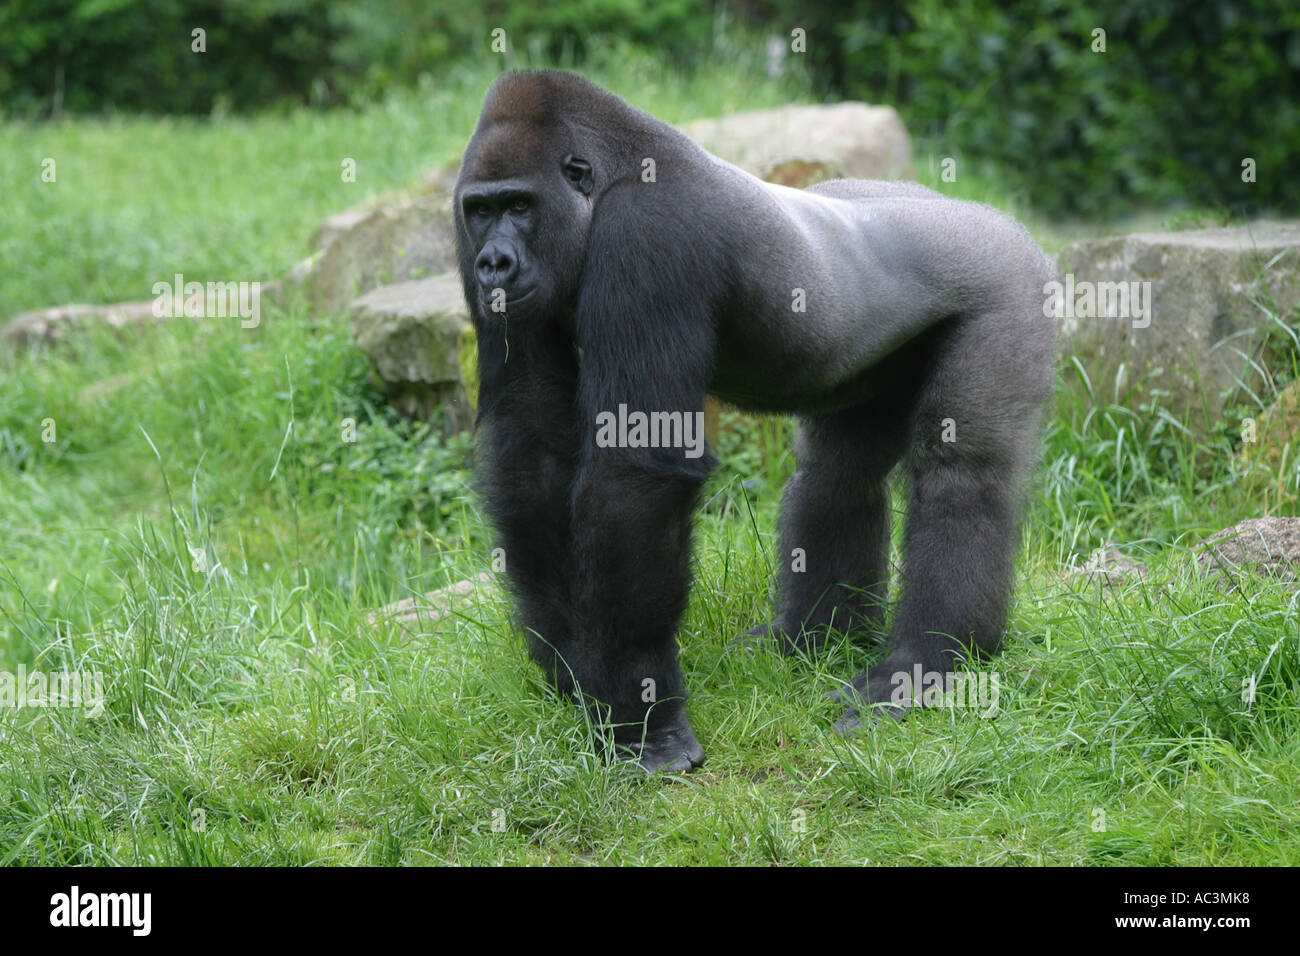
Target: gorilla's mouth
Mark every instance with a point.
(509, 303)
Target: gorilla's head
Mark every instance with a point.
(524, 199)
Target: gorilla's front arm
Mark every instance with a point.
(529, 448)
(646, 340)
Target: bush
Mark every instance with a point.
(1165, 115)
(93, 55)
(1180, 97)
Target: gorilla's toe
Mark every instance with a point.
(853, 720)
(682, 764)
(849, 723)
(869, 693)
(843, 694)
(674, 751)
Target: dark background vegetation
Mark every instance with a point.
(1184, 92)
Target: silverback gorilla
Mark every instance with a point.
(610, 264)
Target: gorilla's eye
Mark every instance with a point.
(578, 173)
(519, 205)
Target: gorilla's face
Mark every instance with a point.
(523, 230)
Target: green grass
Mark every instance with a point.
(201, 534)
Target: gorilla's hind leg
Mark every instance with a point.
(958, 562)
(834, 558)
(975, 437)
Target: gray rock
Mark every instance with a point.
(1203, 325)
(417, 335)
(413, 613)
(796, 145)
(441, 179)
(295, 286)
(1269, 546)
(375, 245)
(49, 325)
(1112, 567)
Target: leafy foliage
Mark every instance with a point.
(1170, 110)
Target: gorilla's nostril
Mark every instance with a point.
(495, 266)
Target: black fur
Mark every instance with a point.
(612, 290)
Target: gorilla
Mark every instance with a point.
(612, 267)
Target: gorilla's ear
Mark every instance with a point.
(578, 173)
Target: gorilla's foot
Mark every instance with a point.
(670, 750)
(872, 697)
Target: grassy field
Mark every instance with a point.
(199, 532)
